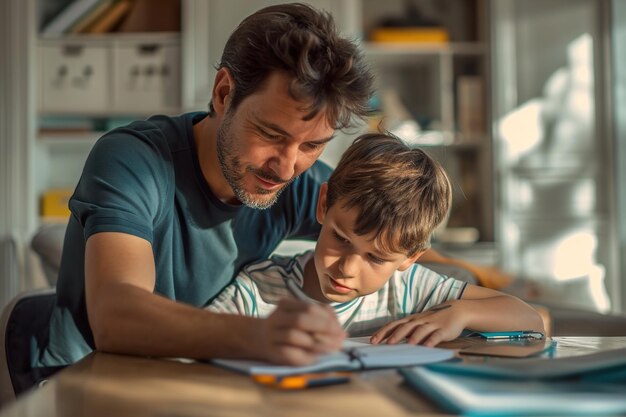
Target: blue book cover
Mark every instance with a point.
(486, 396)
(539, 367)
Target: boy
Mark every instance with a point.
(377, 212)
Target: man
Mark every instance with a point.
(165, 203)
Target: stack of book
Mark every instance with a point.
(593, 384)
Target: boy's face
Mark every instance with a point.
(264, 144)
(349, 265)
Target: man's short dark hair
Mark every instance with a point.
(328, 71)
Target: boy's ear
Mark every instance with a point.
(223, 87)
(320, 212)
(410, 261)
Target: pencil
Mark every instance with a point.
(297, 292)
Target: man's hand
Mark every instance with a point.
(296, 333)
(428, 328)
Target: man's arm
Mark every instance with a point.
(126, 317)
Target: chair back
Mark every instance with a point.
(9, 270)
(23, 329)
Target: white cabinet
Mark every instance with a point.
(146, 75)
(74, 75)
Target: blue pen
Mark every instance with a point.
(518, 334)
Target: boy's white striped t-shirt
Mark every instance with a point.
(258, 288)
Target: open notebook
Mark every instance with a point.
(354, 356)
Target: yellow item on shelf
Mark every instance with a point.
(54, 203)
(410, 34)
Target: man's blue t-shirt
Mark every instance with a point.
(145, 180)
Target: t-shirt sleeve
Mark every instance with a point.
(124, 184)
(237, 298)
(419, 288)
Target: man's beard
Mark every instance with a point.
(232, 171)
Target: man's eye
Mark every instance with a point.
(339, 238)
(312, 146)
(270, 136)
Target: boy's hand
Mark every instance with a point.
(296, 333)
(429, 328)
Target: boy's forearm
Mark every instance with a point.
(134, 321)
(500, 313)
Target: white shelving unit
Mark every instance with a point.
(205, 27)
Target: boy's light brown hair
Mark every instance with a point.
(402, 194)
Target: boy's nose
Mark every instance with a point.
(349, 266)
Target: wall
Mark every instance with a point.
(16, 119)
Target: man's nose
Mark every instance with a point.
(284, 163)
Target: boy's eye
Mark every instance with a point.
(339, 238)
(376, 259)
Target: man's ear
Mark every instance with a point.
(320, 213)
(410, 261)
(222, 89)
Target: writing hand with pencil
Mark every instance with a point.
(297, 332)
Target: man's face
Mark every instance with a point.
(264, 144)
(349, 265)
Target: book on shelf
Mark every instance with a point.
(409, 34)
(54, 203)
(63, 125)
(471, 107)
(354, 356)
(88, 19)
(63, 21)
(112, 17)
(153, 16)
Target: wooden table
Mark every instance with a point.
(118, 386)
